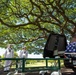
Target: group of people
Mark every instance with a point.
(70, 48)
(9, 53)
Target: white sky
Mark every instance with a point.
(2, 50)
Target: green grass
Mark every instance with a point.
(42, 64)
(39, 64)
(35, 64)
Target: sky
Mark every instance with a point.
(2, 50)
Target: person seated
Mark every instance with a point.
(71, 47)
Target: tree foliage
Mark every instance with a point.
(28, 22)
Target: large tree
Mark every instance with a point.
(28, 22)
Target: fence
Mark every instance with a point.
(24, 69)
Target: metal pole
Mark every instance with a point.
(23, 64)
(46, 63)
(59, 71)
(16, 64)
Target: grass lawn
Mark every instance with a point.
(42, 64)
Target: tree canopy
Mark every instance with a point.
(29, 22)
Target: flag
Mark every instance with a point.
(71, 47)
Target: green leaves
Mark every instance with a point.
(28, 22)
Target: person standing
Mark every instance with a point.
(9, 53)
(23, 54)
